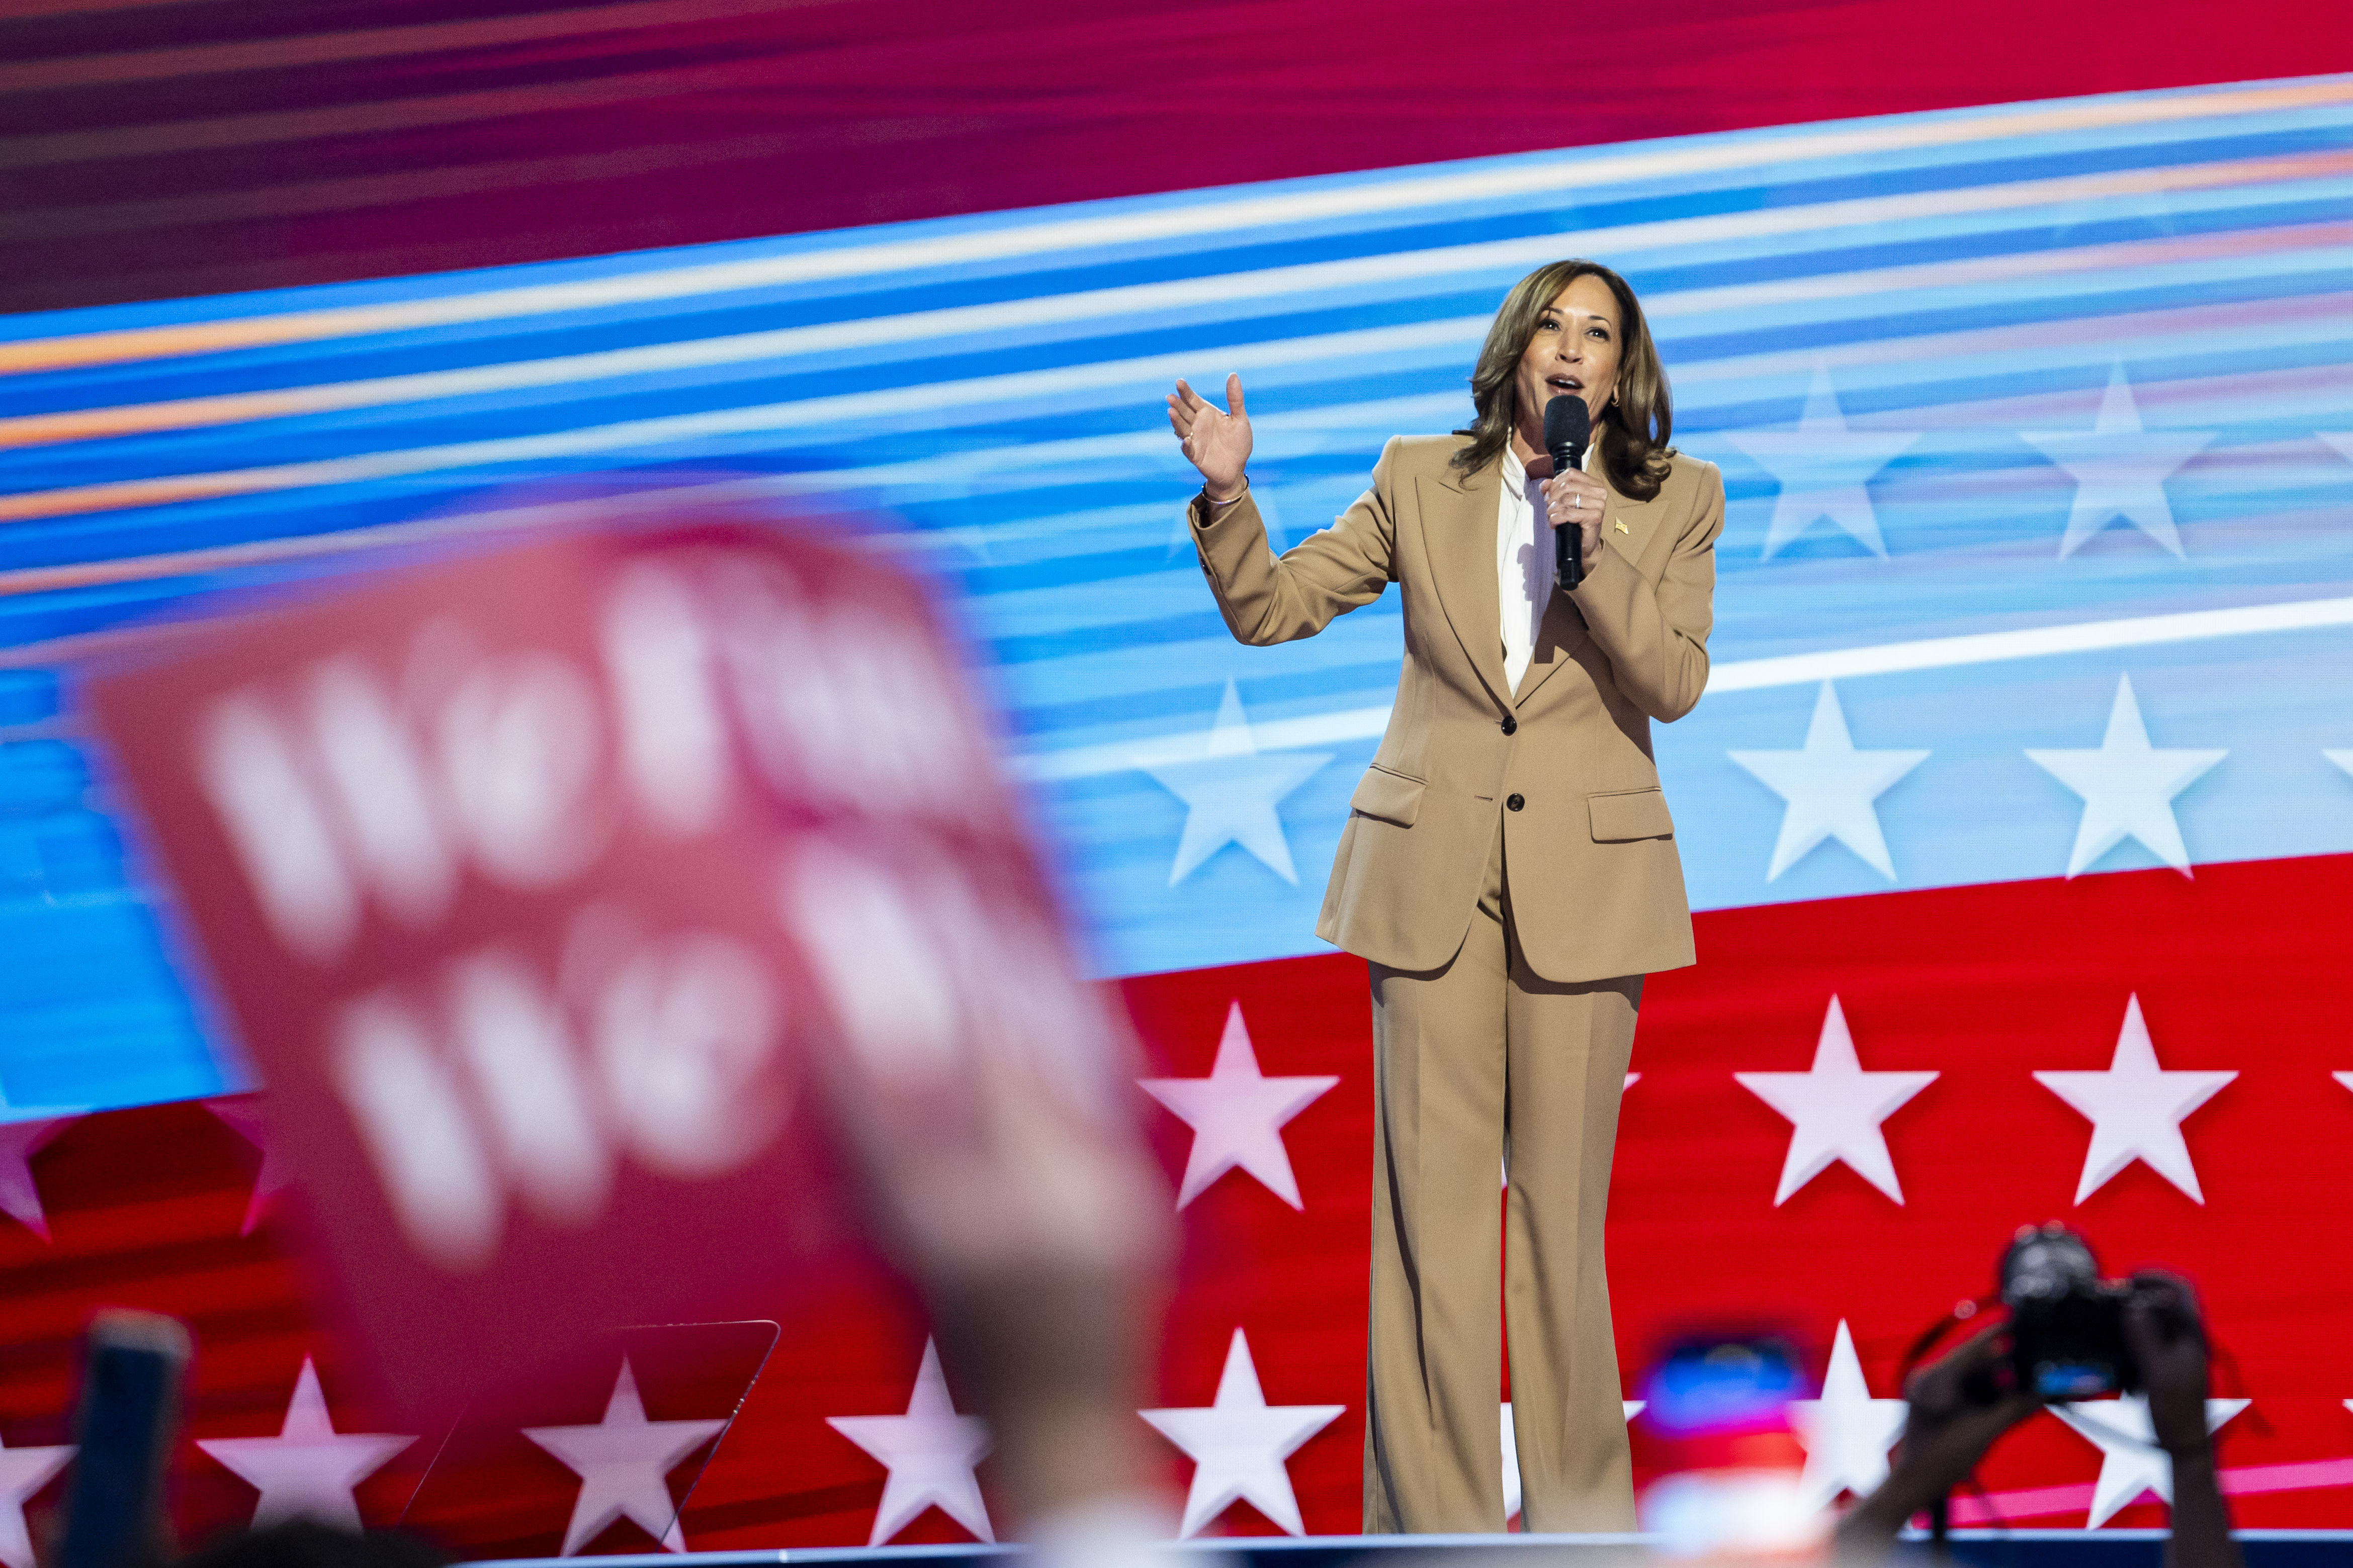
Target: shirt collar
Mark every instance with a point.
(1515, 473)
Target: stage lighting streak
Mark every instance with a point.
(618, 508)
(53, 149)
(1983, 351)
(377, 190)
(982, 399)
(1993, 647)
(982, 394)
(1988, 351)
(363, 43)
(2308, 245)
(1491, 181)
(2289, 246)
(923, 329)
(1924, 362)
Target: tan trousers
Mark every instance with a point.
(1473, 1059)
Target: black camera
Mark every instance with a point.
(2067, 1323)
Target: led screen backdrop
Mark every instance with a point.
(2022, 774)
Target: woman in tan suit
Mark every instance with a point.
(1508, 870)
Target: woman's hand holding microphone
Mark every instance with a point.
(1575, 499)
(1216, 442)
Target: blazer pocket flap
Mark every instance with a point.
(1631, 814)
(1392, 797)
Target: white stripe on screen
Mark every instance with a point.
(1754, 674)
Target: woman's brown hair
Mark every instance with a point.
(1633, 430)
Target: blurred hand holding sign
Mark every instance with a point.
(571, 900)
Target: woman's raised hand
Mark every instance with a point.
(1215, 441)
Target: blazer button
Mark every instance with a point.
(1511, 725)
(1516, 802)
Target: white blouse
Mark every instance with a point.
(1524, 559)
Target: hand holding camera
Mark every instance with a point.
(2070, 1335)
(2067, 1323)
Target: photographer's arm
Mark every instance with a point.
(2163, 1327)
(1946, 1433)
(2201, 1522)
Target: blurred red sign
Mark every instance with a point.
(540, 885)
(599, 1455)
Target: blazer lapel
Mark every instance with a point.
(1558, 636)
(1632, 525)
(1458, 516)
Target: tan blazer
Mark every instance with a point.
(1597, 889)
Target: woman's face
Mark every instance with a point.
(1574, 351)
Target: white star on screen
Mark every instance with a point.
(2127, 786)
(1829, 788)
(2136, 1109)
(2343, 759)
(23, 1472)
(25, 1133)
(308, 1470)
(930, 1452)
(1821, 466)
(1237, 1116)
(624, 1464)
(1231, 792)
(1632, 1407)
(1846, 1432)
(2130, 1461)
(1835, 1109)
(2120, 470)
(1238, 1445)
(244, 1118)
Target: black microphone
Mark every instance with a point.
(1569, 425)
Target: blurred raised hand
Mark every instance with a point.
(982, 1099)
